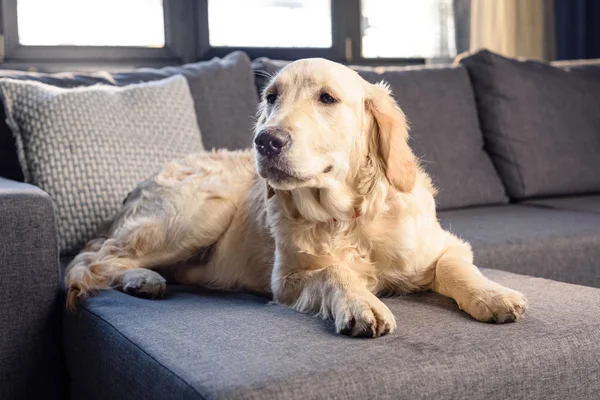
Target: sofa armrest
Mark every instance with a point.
(30, 336)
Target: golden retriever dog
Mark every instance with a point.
(329, 211)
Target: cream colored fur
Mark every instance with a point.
(354, 219)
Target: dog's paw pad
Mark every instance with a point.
(143, 282)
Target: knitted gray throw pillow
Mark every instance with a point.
(88, 147)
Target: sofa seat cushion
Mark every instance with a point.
(555, 244)
(198, 344)
(578, 203)
(440, 107)
(540, 122)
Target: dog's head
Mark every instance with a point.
(320, 123)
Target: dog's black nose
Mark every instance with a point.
(270, 141)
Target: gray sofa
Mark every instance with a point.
(513, 148)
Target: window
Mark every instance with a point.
(160, 32)
(352, 31)
(407, 28)
(62, 34)
(270, 23)
(138, 23)
(283, 29)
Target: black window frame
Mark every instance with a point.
(186, 40)
(179, 44)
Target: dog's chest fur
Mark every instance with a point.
(383, 248)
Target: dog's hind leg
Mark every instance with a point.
(151, 231)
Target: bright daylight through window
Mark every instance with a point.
(407, 28)
(138, 23)
(287, 23)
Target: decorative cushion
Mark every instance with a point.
(541, 123)
(9, 162)
(445, 134)
(223, 91)
(88, 147)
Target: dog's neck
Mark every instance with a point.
(343, 203)
(318, 205)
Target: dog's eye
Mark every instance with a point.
(326, 98)
(271, 98)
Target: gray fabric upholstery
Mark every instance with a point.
(577, 203)
(223, 91)
(445, 135)
(88, 147)
(205, 345)
(555, 244)
(541, 124)
(224, 95)
(31, 361)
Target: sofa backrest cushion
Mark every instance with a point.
(445, 135)
(223, 91)
(224, 97)
(541, 123)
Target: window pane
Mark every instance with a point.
(407, 28)
(270, 23)
(137, 23)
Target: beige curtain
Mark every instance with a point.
(514, 28)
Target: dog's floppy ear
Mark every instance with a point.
(390, 135)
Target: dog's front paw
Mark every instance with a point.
(143, 282)
(495, 303)
(364, 316)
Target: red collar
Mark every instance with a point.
(357, 214)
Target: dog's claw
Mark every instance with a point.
(365, 317)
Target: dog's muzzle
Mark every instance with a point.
(272, 141)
